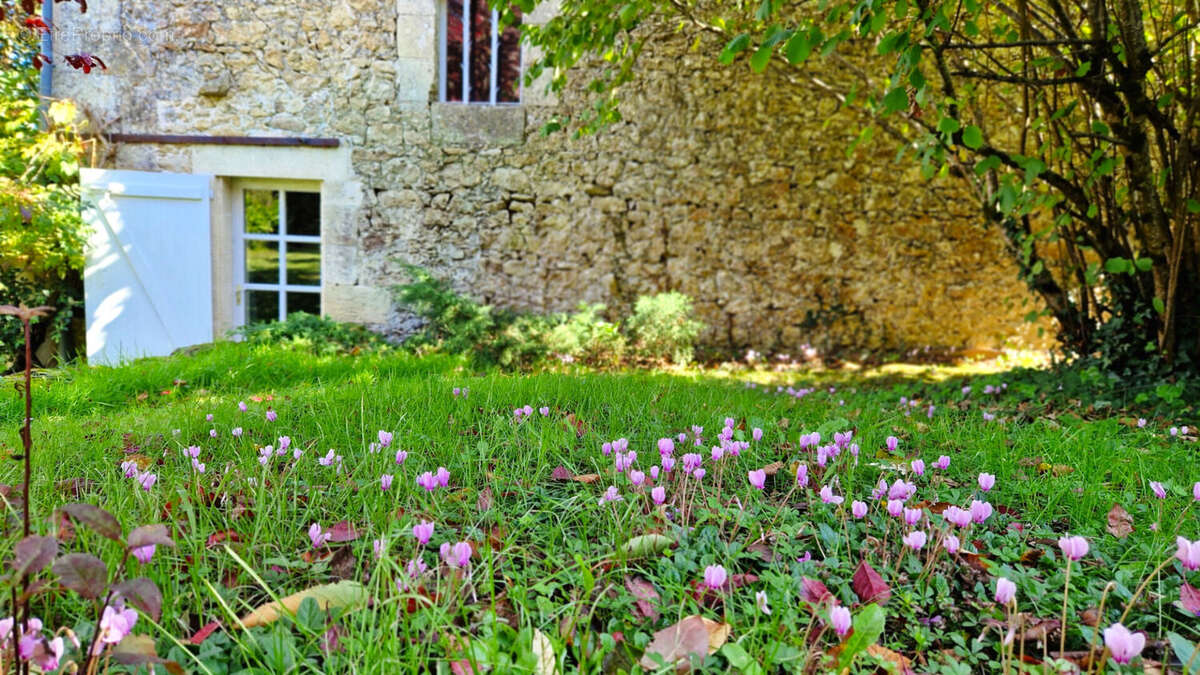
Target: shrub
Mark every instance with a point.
(313, 333)
(663, 328)
(586, 337)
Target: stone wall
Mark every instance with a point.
(728, 186)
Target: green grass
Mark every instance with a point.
(548, 554)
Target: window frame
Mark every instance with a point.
(493, 70)
(240, 237)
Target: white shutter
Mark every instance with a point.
(148, 279)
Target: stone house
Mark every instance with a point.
(269, 156)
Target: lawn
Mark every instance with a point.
(564, 562)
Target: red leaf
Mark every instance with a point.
(202, 634)
(560, 473)
(342, 531)
(1189, 597)
(814, 591)
(869, 586)
(217, 538)
(647, 597)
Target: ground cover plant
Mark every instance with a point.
(440, 521)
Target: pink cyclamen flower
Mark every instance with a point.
(427, 481)
(271, 416)
(951, 544)
(1122, 643)
(1174, 431)
(895, 508)
(284, 442)
(443, 476)
(691, 462)
(828, 497)
(456, 391)
(760, 600)
(545, 411)
(115, 624)
(902, 490)
(980, 511)
(802, 475)
(915, 539)
(192, 451)
(147, 480)
(986, 481)
(668, 464)
(208, 417)
(892, 443)
(918, 467)
(929, 411)
(1005, 591)
(197, 466)
(317, 536)
(212, 432)
(839, 617)
(237, 432)
(957, 516)
(1141, 422)
(637, 477)
(1073, 548)
(880, 490)
(385, 438)
(666, 446)
(1188, 553)
(242, 406)
(699, 474)
(401, 456)
(129, 468)
(913, 516)
(658, 494)
(715, 576)
(144, 553)
(528, 409)
(717, 453)
(612, 494)
(758, 479)
(328, 459)
(858, 509)
(756, 434)
(385, 481)
(943, 463)
(46, 654)
(1158, 489)
(1196, 491)
(654, 471)
(458, 555)
(378, 546)
(423, 531)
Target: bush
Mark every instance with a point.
(586, 337)
(312, 333)
(663, 328)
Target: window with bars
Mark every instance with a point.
(279, 254)
(479, 63)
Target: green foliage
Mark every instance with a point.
(320, 335)
(663, 327)
(41, 234)
(587, 338)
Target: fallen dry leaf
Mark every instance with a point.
(869, 586)
(903, 663)
(560, 473)
(545, 662)
(1120, 523)
(646, 603)
(342, 594)
(484, 502)
(772, 468)
(1189, 598)
(587, 478)
(694, 636)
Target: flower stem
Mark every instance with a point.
(1062, 629)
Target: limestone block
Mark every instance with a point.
(414, 78)
(478, 125)
(416, 35)
(357, 304)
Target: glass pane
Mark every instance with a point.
(304, 302)
(508, 80)
(304, 264)
(481, 51)
(262, 306)
(262, 211)
(304, 213)
(454, 50)
(262, 262)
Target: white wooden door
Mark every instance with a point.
(148, 278)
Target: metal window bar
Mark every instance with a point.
(282, 196)
(293, 288)
(294, 238)
(466, 52)
(442, 53)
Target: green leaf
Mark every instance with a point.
(1185, 650)
(1083, 69)
(986, 164)
(973, 138)
(737, 657)
(1193, 206)
(868, 626)
(760, 59)
(1117, 265)
(646, 544)
(896, 99)
(735, 46)
(948, 125)
(1143, 264)
(627, 14)
(797, 48)
(1158, 305)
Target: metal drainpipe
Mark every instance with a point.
(46, 76)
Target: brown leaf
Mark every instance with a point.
(647, 597)
(217, 538)
(693, 637)
(576, 424)
(1120, 523)
(977, 560)
(903, 664)
(484, 502)
(772, 468)
(343, 565)
(587, 478)
(764, 551)
(1031, 556)
(813, 591)
(869, 586)
(1090, 617)
(342, 531)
